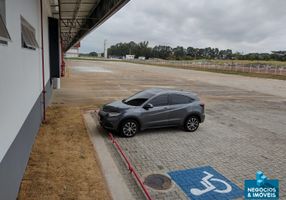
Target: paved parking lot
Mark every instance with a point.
(244, 130)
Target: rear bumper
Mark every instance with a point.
(203, 116)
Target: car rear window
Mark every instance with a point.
(180, 99)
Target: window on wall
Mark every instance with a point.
(28, 35)
(4, 34)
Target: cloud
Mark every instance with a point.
(241, 25)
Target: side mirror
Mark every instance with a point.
(148, 106)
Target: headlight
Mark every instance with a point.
(113, 114)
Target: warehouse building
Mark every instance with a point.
(34, 34)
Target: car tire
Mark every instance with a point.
(129, 128)
(192, 123)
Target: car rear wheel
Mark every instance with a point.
(192, 123)
(129, 128)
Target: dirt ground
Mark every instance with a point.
(91, 83)
(63, 163)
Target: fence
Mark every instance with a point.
(227, 66)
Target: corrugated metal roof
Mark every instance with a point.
(79, 17)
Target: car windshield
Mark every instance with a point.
(138, 99)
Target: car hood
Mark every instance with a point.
(116, 106)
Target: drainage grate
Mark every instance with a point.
(158, 182)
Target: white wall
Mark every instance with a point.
(20, 69)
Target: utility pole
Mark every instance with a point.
(105, 49)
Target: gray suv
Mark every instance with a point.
(153, 108)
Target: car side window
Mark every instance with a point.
(179, 99)
(161, 100)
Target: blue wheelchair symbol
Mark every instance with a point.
(205, 183)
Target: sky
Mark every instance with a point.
(241, 25)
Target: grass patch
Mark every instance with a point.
(249, 74)
(63, 163)
(250, 62)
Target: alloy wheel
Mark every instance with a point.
(192, 124)
(129, 128)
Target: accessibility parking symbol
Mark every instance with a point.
(205, 183)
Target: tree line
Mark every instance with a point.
(180, 53)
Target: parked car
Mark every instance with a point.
(153, 108)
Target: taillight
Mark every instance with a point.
(203, 106)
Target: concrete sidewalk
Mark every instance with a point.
(116, 184)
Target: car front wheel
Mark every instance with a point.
(129, 128)
(192, 124)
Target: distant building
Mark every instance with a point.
(73, 52)
(142, 58)
(130, 57)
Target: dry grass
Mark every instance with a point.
(247, 62)
(222, 71)
(63, 164)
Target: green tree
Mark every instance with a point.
(179, 52)
(93, 54)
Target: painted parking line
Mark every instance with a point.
(205, 183)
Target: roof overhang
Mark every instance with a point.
(79, 17)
